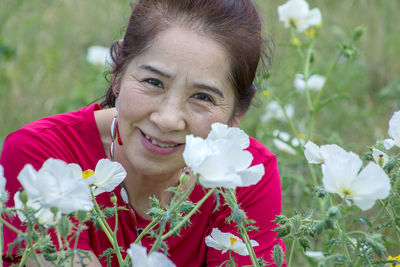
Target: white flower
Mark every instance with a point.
(282, 142)
(317, 155)
(394, 131)
(298, 14)
(44, 215)
(314, 83)
(98, 55)
(380, 157)
(227, 241)
(3, 193)
(56, 184)
(139, 257)
(107, 175)
(220, 159)
(341, 176)
(274, 111)
(317, 255)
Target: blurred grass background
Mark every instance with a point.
(43, 71)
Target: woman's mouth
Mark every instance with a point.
(154, 142)
(157, 146)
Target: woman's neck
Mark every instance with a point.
(141, 187)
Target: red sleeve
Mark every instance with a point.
(261, 203)
(20, 148)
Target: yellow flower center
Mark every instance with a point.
(296, 41)
(397, 258)
(346, 192)
(233, 240)
(86, 174)
(265, 93)
(310, 32)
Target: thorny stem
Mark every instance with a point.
(107, 230)
(249, 247)
(291, 251)
(159, 238)
(187, 217)
(4, 222)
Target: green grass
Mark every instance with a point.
(49, 73)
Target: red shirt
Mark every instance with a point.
(74, 138)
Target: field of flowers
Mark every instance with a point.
(333, 87)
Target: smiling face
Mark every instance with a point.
(178, 86)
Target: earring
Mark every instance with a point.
(114, 131)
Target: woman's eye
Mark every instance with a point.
(155, 83)
(203, 97)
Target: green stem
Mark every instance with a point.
(159, 238)
(343, 241)
(107, 229)
(24, 257)
(328, 75)
(4, 222)
(249, 247)
(187, 217)
(145, 230)
(188, 192)
(306, 71)
(292, 252)
(377, 216)
(293, 36)
(392, 217)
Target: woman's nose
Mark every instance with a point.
(169, 115)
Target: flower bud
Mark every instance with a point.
(183, 179)
(281, 219)
(23, 196)
(277, 255)
(358, 32)
(238, 215)
(54, 210)
(333, 212)
(113, 198)
(304, 242)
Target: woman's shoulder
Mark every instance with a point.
(260, 152)
(64, 136)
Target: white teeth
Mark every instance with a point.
(154, 142)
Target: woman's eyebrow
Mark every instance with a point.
(209, 88)
(155, 70)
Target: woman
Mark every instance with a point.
(182, 65)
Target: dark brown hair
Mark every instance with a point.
(235, 24)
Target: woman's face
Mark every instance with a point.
(178, 86)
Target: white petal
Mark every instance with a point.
(394, 127)
(108, 175)
(284, 147)
(371, 183)
(3, 193)
(299, 82)
(158, 259)
(313, 17)
(98, 55)
(312, 153)
(138, 255)
(328, 150)
(317, 255)
(339, 171)
(389, 143)
(252, 175)
(233, 134)
(28, 177)
(315, 82)
(196, 150)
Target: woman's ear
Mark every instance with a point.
(235, 121)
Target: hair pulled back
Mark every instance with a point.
(235, 24)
